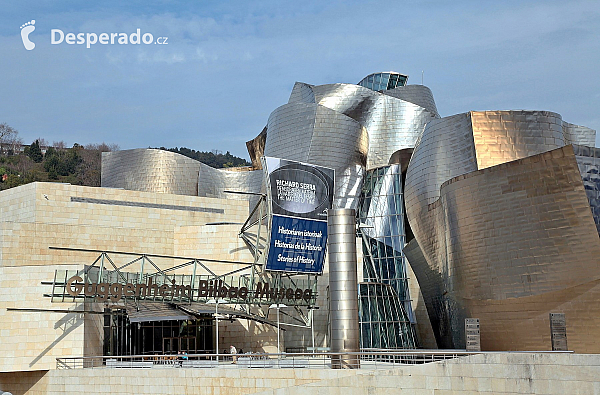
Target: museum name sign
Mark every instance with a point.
(114, 292)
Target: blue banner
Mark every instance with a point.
(297, 245)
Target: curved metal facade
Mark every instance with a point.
(153, 170)
(419, 95)
(392, 123)
(150, 170)
(352, 128)
(348, 127)
(504, 207)
(213, 182)
(316, 134)
(575, 134)
(502, 227)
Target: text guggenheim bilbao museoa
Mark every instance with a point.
(171, 291)
(299, 196)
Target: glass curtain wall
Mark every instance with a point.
(386, 315)
(383, 81)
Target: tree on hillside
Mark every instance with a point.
(34, 152)
(61, 162)
(215, 158)
(9, 138)
(89, 169)
(79, 165)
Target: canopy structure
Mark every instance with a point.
(229, 313)
(147, 312)
(158, 311)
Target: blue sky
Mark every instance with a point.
(229, 64)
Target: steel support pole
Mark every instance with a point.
(217, 326)
(343, 287)
(101, 269)
(312, 328)
(193, 280)
(142, 269)
(278, 333)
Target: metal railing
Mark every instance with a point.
(372, 359)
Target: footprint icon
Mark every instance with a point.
(26, 29)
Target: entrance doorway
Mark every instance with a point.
(173, 345)
(122, 337)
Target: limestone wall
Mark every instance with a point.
(500, 373)
(37, 216)
(495, 373)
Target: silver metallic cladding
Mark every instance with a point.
(461, 146)
(153, 170)
(445, 150)
(318, 135)
(581, 135)
(213, 182)
(588, 161)
(302, 93)
(391, 123)
(419, 95)
(150, 170)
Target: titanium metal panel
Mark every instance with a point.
(463, 143)
(515, 241)
(315, 134)
(153, 170)
(419, 95)
(515, 238)
(391, 123)
(580, 135)
(302, 93)
(213, 182)
(588, 160)
(504, 136)
(150, 170)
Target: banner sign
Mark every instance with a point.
(300, 195)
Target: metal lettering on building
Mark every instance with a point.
(558, 331)
(472, 334)
(180, 288)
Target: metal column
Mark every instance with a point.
(343, 286)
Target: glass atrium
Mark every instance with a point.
(383, 81)
(385, 311)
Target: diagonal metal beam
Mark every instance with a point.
(207, 269)
(158, 269)
(86, 271)
(130, 263)
(246, 226)
(172, 268)
(116, 269)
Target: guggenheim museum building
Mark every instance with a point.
(493, 215)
